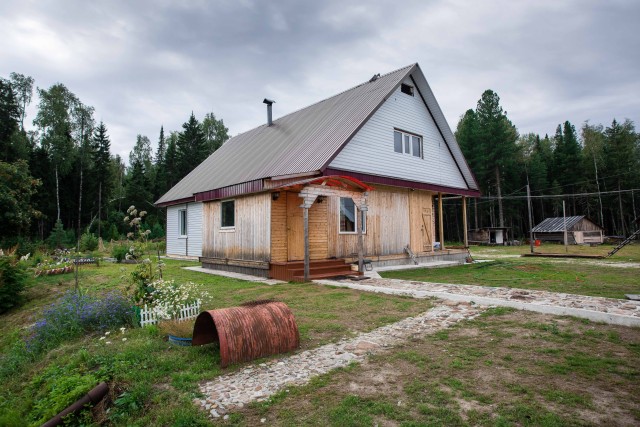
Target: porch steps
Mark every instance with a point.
(322, 269)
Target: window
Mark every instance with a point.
(349, 222)
(397, 142)
(182, 222)
(407, 89)
(407, 143)
(228, 213)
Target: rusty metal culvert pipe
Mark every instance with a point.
(253, 330)
(94, 396)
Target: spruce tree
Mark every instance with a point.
(191, 148)
(160, 167)
(103, 172)
(497, 139)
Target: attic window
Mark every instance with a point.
(404, 88)
(407, 143)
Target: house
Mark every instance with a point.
(355, 175)
(489, 236)
(580, 230)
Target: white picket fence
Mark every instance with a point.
(148, 315)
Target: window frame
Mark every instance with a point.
(406, 142)
(358, 218)
(227, 228)
(183, 223)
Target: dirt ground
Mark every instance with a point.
(506, 368)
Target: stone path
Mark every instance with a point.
(257, 383)
(608, 310)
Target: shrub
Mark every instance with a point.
(76, 313)
(22, 245)
(55, 389)
(119, 252)
(167, 297)
(13, 279)
(88, 242)
(61, 238)
(157, 231)
(113, 233)
(140, 279)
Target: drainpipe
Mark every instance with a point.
(186, 241)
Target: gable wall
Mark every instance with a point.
(585, 225)
(371, 149)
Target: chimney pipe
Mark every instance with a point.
(269, 102)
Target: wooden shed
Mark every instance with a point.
(359, 174)
(580, 230)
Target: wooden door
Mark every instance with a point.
(295, 228)
(427, 244)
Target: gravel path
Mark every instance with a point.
(257, 383)
(608, 310)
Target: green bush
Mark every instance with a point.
(23, 245)
(61, 238)
(88, 242)
(55, 389)
(76, 313)
(119, 252)
(157, 231)
(113, 233)
(13, 280)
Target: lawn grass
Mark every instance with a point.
(630, 253)
(575, 276)
(152, 382)
(505, 368)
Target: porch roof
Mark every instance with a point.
(343, 182)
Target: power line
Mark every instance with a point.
(561, 195)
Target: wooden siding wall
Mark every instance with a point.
(318, 245)
(371, 149)
(177, 245)
(279, 228)
(585, 225)
(388, 224)
(318, 234)
(252, 235)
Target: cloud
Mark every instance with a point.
(147, 64)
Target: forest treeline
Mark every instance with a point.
(595, 170)
(61, 178)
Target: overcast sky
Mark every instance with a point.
(143, 64)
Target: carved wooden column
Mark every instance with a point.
(361, 202)
(306, 205)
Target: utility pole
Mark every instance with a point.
(564, 219)
(530, 220)
(598, 185)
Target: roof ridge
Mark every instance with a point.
(330, 97)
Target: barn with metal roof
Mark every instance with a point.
(580, 230)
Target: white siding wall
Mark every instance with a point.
(371, 149)
(177, 245)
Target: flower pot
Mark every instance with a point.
(184, 342)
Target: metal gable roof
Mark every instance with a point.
(555, 225)
(305, 140)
